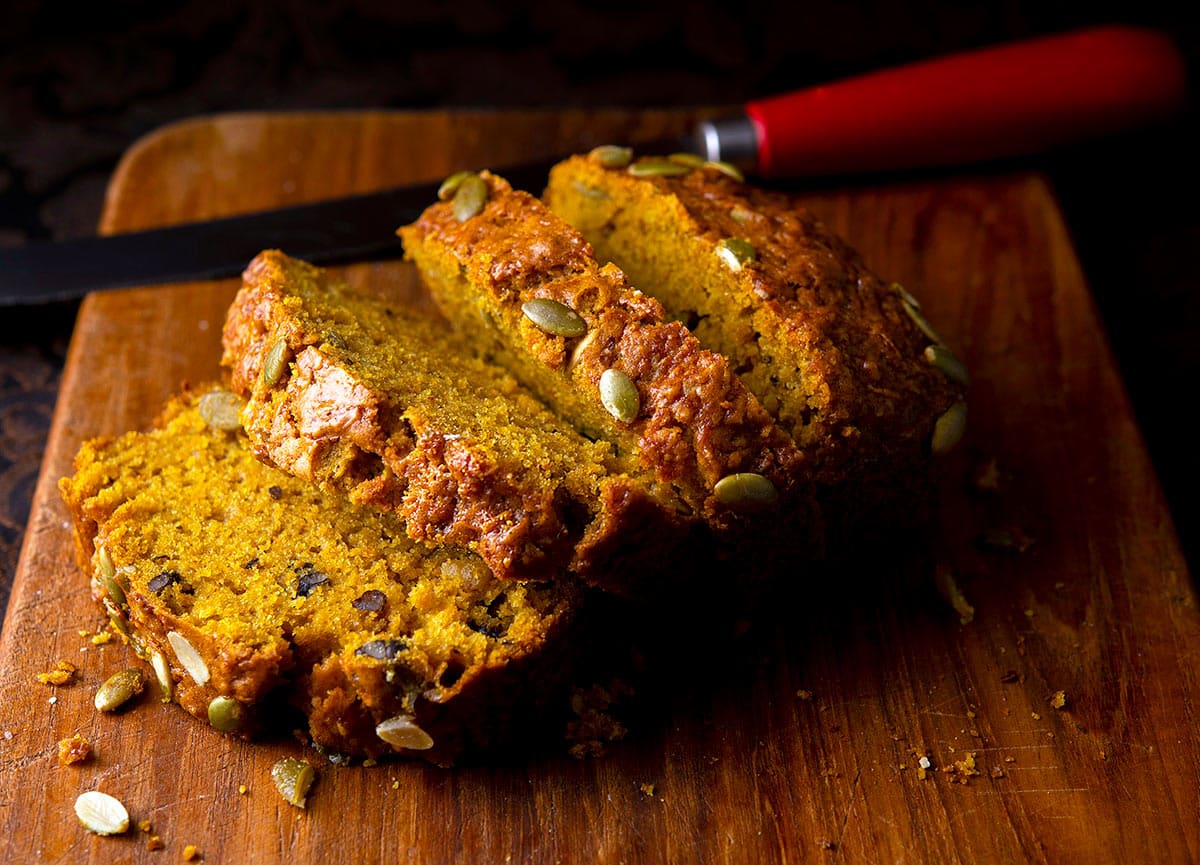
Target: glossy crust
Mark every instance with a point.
(292, 596)
(391, 410)
(832, 351)
(695, 424)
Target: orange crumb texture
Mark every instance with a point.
(62, 674)
(73, 750)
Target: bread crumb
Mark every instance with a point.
(962, 770)
(102, 638)
(191, 853)
(986, 477)
(1059, 700)
(804, 695)
(595, 727)
(62, 674)
(998, 772)
(154, 842)
(648, 789)
(73, 750)
(1035, 716)
(144, 825)
(243, 789)
(826, 844)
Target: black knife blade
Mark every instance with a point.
(350, 228)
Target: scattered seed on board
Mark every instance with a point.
(274, 362)
(745, 491)
(188, 657)
(611, 155)
(945, 360)
(101, 813)
(450, 184)
(402, 732)
(118, 689)
(470, 197)
(735, 252)
(226, 714)
(293, 779)
(554, 318)
(949, 429)
(619, 395)
(658, 168)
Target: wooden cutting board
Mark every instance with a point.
(807, 750)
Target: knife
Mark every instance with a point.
(999, 102)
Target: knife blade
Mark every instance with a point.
(999, 102)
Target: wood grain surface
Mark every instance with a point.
(802, 747)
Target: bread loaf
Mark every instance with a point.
(248, 590)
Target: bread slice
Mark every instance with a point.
(676, 414)
(245, 587)
(844, 361)
(363, 398)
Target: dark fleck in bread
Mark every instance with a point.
(843, 360)
(525, 290)
(368, 400)
(246, 588)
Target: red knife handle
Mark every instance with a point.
(1005, 101)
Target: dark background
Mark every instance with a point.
(80, 82)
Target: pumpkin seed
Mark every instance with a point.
(945, 360)
(274, 362)
(740, 214)
(226, 714)
(745, 491)
(119, 689)
(735, 252)
(450, 184)
(727, 169)
(101, 813)
(619, 395)
(554, 317)
(107, 577)
(381, 650)
(590, 192)
(658, 168)
(470, 197)
(691, 160)
(162, 672)
(220, 410)
(905, 296)
(919, 320)
(108, 570)
(293, 779)
(188, 657)
(611, 155)
(949, 428)
(401, 732)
